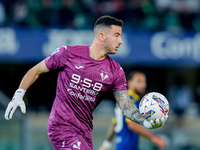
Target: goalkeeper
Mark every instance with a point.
(86, 74)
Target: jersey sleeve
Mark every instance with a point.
(120, 80)
(57, 58)
(114, 120)
(128, 120)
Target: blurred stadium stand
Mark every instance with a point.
(161, 38)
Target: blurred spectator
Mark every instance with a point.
(8, 5)
(170, 15)
(42, 13)
(187, 11)
(20, 12)
(168, 19)
(142, 14)
(180, 96)
(134, 13)
(33, 7)
(73, 14)
(114, 8)
(178, 15)
(2, 14)
(46, 14)
(151, 20)
(66, 14)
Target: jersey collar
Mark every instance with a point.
(133, 94)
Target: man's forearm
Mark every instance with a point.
(139, 129)
(128, 109)
(111, 132)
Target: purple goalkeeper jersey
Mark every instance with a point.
(82, 81)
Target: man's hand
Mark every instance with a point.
(102, 148)
(158, 141)
(106, 145)
(17, 101)
(157, 123)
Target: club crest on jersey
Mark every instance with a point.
(104, 75)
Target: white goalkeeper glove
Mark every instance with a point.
(17, 101)
(157, 123)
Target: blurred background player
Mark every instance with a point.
(127, 131)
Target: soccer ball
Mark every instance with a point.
(153, 105)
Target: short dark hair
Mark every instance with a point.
(108, 21)
(131, 75)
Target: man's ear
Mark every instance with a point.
(102, 36)
(128, 83)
